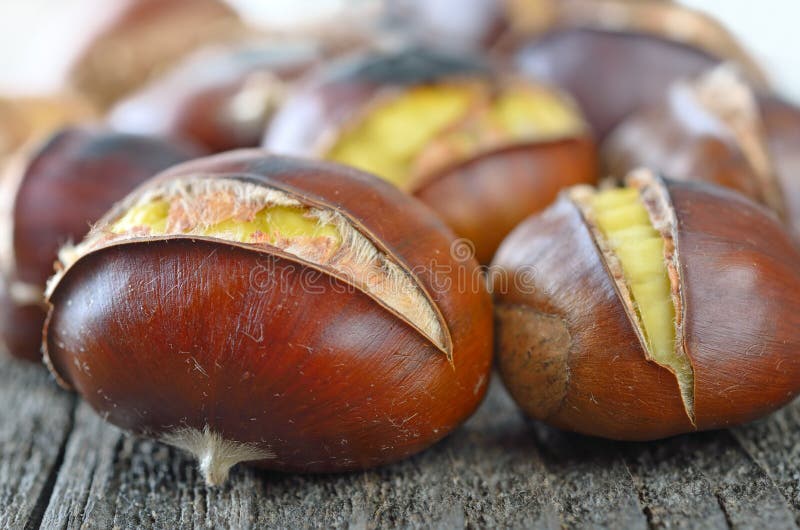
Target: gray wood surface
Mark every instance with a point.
(61, 466)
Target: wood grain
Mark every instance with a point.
(35, 421)
(499, 470)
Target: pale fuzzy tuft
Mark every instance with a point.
(215, 455)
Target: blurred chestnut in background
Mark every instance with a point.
(707, 129)
(781, 122)
(301, 315)
(221, 98)
(134, 40)
(717, 129)
(50, 195)
(457, 25)
(657, 309)
(484, 151)
(616, 56)
(24, 120)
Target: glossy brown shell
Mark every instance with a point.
(481, 198)
(266, 349)
(64, 186)
(610, 74)
(567, 348)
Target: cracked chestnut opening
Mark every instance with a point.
(634, 233)
(420, 130)
(269, 219)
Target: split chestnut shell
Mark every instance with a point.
(689, 320)
(245, 307)
(483, 150)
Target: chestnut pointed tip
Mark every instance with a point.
(216, 456)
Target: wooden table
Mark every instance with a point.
(61, 466)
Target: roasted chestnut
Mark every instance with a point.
(301, 315)
(708, 129)
(50, 195)
(133, 40)
(221, 98)
(483, 151)
(781, 125)
(716, 129)
(24, 120)
(616, 56)
(639, 313)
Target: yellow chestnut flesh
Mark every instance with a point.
(270, 224)
(447, 123)
(234, 212)
(629, 233)
(387, 139)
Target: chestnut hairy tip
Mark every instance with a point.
(482, 150)
(336, 318)
(134, 40)
(52, 194)
(662, 308)
(221, 98)
(707, 129)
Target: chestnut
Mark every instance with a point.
(24, 120)
(300, 315)
(717, 129)
(484, 151)
(616, 56)
(221, 98)
(50, 195)
(781, 126)
(131, 41)
(707, 129)
(639, 313)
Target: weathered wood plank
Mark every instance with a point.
(488, 473)
(674, 491)
(775, 444)
(704, 481)
(498, 470)
(35, 420)
(592, 484)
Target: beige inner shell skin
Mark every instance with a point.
(254, 215)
